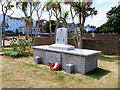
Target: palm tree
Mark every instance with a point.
(56, 11)
(72, 17)
(37, 6)
(49, 9)
(28, 23)
(24, 6)
(64, 18)
(83, 10)
(5, 6)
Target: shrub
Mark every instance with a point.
(13, 53)
(21, 43)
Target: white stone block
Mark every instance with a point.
(61, 36)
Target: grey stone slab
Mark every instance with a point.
(52, 57)
(61, 36)
(81, 52)
(62, 46)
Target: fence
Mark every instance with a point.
(107, 43)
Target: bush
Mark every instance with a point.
(21, 43)
(13, 53)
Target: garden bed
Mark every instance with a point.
(26, 54)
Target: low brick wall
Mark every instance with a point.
(105, 46)
(43, 41)
(107, 43)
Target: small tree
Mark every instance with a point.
(27, 8)
(46, 27)
(37, 6)
(49, 9)
(6, 5)
(83, 9)
(56, 11)
(64, 18)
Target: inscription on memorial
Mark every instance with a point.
(61, 36)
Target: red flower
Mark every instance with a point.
(26, 37)
(18, 36)
(14, 38)
(20, 39)
(30, 42)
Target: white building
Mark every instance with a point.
(90, 28)
(13, 23)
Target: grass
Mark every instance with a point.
(23, 73)
(109, 57)
(35, 70)
(61, 77)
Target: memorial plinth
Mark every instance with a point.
(83, 60)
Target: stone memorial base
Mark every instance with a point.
(82, 59)
(62, 46)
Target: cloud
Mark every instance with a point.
(100, 18)
(106, 1)
(65, 7)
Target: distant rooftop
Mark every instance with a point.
(14, 17)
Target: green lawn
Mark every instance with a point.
(109, 57)
(23, 73)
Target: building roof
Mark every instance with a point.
(14, 17)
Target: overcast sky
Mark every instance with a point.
(102, 6)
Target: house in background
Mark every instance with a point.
(15, 23)
(12, 23)
(40, 24)
(22, 28)
(90, 28)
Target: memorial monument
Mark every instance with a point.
(83, 60)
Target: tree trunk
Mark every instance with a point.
(58, 22)
(80, 43)
(3, 27)
(27, 31)
(50, 27)
(51, 32)
(75, 42)
(30, 30)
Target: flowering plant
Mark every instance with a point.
(21, 43)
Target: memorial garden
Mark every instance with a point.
(64, 57)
